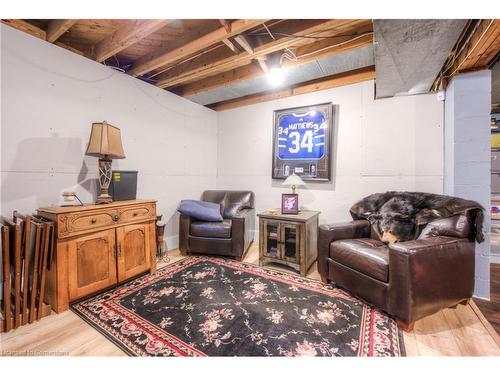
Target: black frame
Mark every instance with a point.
(290, 212)
(277, 163)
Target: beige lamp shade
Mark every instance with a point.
(105, 141)
(293, 180)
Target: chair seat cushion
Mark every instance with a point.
(221, 229)
(368, 256)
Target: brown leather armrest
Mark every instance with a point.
(428, 275)
(242, 230)
(184, 228)
(340, 231)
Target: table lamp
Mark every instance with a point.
(293, 180)
(106, 144)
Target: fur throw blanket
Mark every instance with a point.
(405, 213)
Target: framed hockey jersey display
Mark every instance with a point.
(302, 142)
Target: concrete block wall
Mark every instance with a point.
(467, 161)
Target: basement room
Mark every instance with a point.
(211, 180)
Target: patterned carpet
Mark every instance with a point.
(207, 306)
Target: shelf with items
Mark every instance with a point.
(272, 235)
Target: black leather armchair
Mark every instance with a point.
(231, 237)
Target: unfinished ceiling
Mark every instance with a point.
(225, 63)
(344, 62)
(410, 53)
(212, 61)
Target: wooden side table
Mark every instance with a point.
(290, 240)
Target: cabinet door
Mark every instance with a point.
(290, 242)
(92, 263)
(271, 239)
(133, 250)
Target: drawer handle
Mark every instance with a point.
(94, 220)
(116, 217)
(135, 214)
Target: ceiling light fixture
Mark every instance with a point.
(275, 76)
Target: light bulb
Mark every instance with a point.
(275, 76)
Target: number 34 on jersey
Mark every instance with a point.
(302, 136)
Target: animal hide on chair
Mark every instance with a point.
(400, 216)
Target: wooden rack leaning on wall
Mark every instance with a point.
(27, 243)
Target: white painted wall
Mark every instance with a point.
(467, 155)
(51, 96)
(388, 144)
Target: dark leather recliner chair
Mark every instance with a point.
(230, 237)
(409, 280)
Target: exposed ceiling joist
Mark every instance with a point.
(243, 42)
(342, 79)
(40, 33)
(226, 24)
(482, 47)
(180, 75)
(230, 45)
(476, 49)
(56, 28)
(263, 65)
(74, 50)
(124, 37)
(26, 27)
(305, 54)
(223, 79)
(166, 58)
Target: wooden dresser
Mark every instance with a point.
(98, 246)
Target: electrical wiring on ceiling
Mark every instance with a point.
(287, 52)
(300, 36)
(462, 42)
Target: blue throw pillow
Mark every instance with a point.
(205, 211)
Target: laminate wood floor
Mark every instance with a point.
(452, 332)
(491, 308)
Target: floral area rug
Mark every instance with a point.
(204, 306)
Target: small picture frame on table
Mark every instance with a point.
(290, 204)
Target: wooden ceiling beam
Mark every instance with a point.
(341, 79)
(236, 75)
(181, 75)
(26, 27)
(263, 65)
(305, 54)
(74, 50)
(230, 45)
(226, 24)
(481, 48)
(243, 42)
(56, 28)
(40, 33)
(124, 37)
(166, 58)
